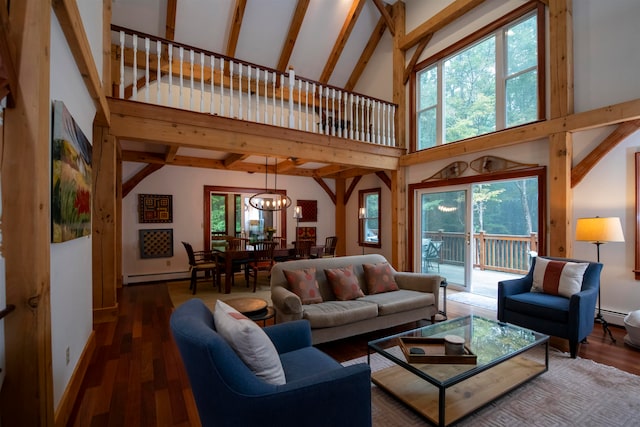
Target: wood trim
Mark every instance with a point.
(384, 178)
(292, 34)
(106, 48)
(416, 55)
(341, 217)
(560, 195)
(170, 27)
(71, 23)
(438, 21)
(6, 63)
(618, 135)
(367, 53)
(236, 24)
(342, 39)
(352, 186)
(70, 395)
(105, 314)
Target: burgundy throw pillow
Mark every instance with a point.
(344, 283)
(304, 284)
(379, 278)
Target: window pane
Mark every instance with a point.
(428, 87)
(522, 46)
(218, 213)
(522, 99)
(469, 92)
(427, 129)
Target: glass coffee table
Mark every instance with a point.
(506, 356)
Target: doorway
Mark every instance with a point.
(480, 231)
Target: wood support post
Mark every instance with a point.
(398, 181)
(104, 225)
(560, 195)
(341, 217)
(27, 393)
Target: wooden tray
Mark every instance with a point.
(434, 352)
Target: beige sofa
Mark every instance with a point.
(416, 299)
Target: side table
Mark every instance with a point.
(255, 309)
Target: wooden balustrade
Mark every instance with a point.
(223, 86)
(496, 252)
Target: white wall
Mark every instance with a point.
(71, 281)
(186, 185)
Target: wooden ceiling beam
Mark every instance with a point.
(438, 21)
(326, 188)
(367, 53)
(329, 170)
(234, 158)
(416, 55)
(71, 23)
(352, 187)
(171, 153)
(341, 41)
(579, 171)
(384, 178)
(292, 35)
(386, 15)
(236, 24)
(138, 177)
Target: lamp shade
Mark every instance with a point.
(297, 213)
(599, 230)
(362, 213)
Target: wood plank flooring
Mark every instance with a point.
(136, 377)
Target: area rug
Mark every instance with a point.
(574, 392)
(473, 299)
(179, 291)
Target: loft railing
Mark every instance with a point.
(158, 71)
(497, 252)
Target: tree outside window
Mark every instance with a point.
(369, 230)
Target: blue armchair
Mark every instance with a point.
(569, 318)
(319, 391)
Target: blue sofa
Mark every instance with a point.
(319, 391)
(569, 318)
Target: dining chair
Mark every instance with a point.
(431, 258)
(262, 260)
(239, 264)
(200, 261)
(302, 249)
(329, 248)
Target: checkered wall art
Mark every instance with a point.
(156, 243)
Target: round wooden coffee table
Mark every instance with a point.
(255, 309)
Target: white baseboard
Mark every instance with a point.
(154, 277)
(613, 317)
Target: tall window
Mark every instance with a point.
(488, 82)
(218, 216)
(369, 229)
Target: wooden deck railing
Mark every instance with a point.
(154, 70)
(496, 252)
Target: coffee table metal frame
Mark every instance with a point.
(501, 368)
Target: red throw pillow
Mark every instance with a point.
(304, 284)
(379, 278)
(344, 283)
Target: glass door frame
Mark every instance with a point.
(468, 226)
(539, 172)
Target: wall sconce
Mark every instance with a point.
(362, 215)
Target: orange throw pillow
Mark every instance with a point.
(304, 284)
(344, 283)
(379, 278)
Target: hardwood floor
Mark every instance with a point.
(136, 377)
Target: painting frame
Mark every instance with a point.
(71, 178)
(156, 243)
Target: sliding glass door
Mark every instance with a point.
(443, 218)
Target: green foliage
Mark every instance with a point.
(218, 213)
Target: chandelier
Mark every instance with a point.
(270, 200)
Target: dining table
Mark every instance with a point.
(226, 256)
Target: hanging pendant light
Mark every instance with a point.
(270, 200)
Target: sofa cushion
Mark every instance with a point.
(250, 342)
(399, 301)
(335, 313)
(344, 283)
(558, 277)
(379, 278)
(543, 306)
(304, 284)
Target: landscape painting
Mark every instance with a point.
(71, 180)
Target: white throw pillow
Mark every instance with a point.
(558, 277)
(250, 342)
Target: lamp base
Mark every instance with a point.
(605, 326)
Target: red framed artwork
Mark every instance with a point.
(309, 210)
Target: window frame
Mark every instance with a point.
(510, 19)
(362, 198)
